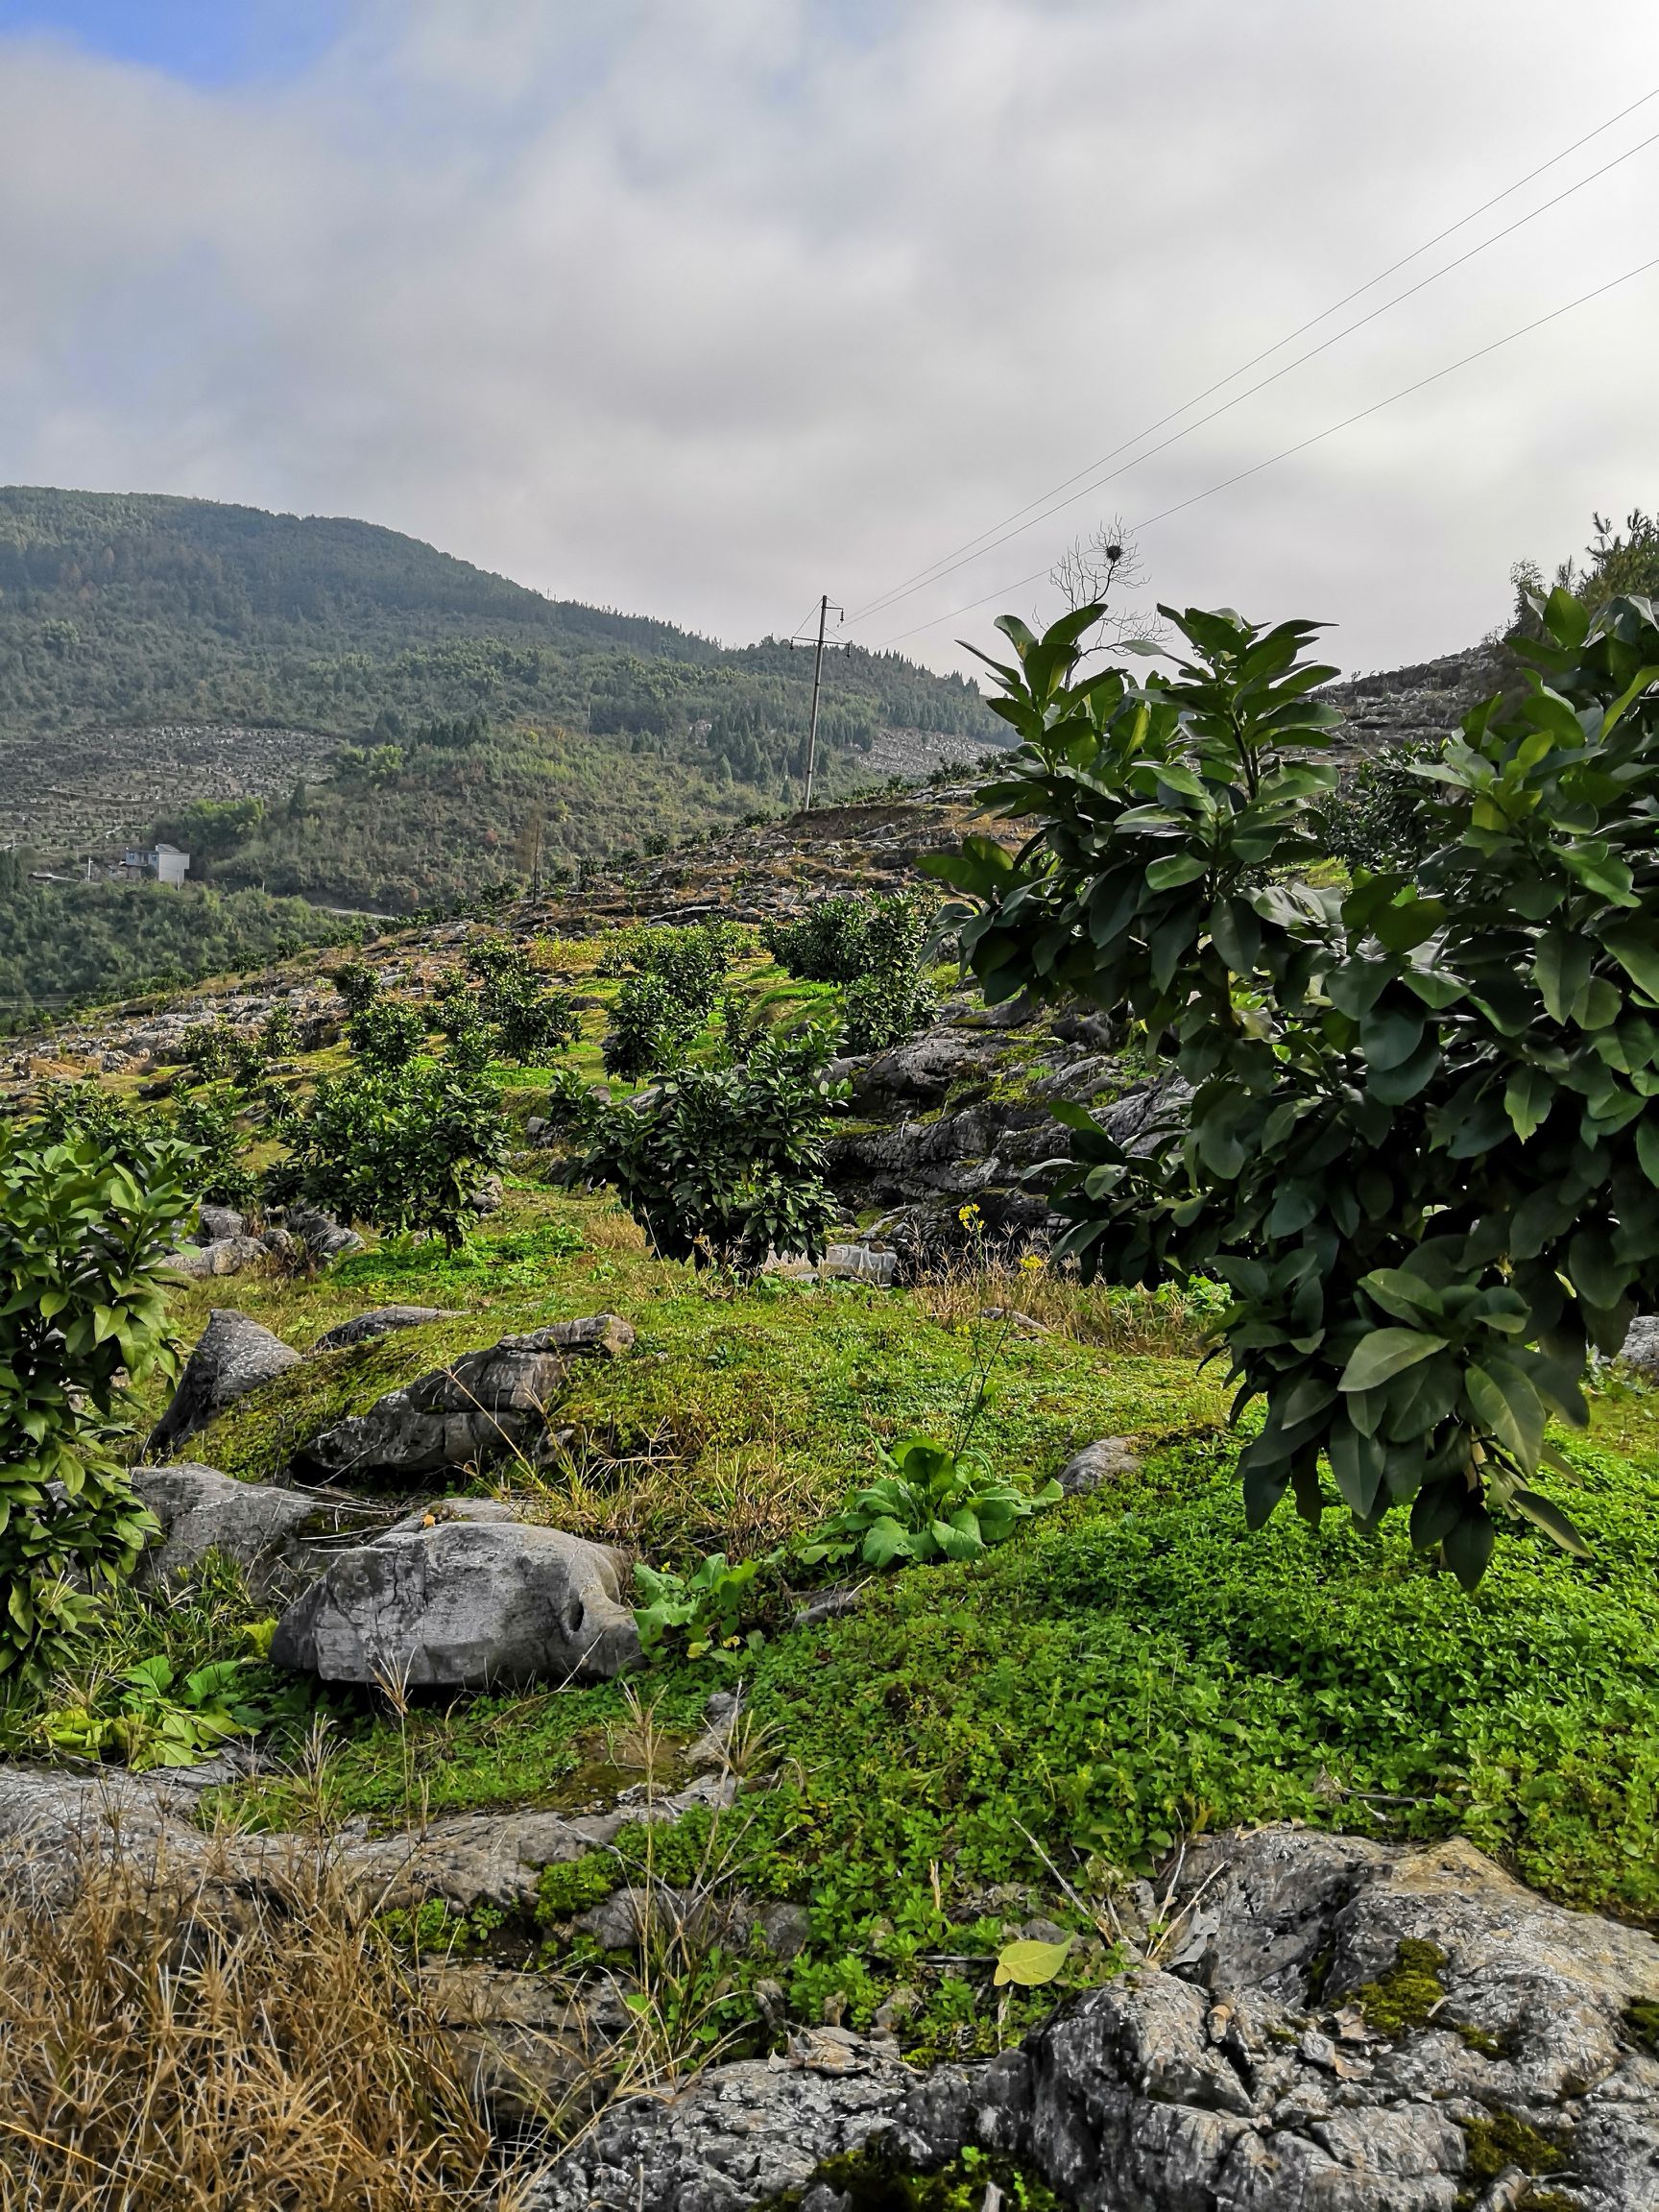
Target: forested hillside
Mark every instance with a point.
(65, 942)
(480, 713)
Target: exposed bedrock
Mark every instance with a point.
(1339, 2026)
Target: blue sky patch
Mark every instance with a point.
(204, 41)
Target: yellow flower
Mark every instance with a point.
(1032, 1263)
(969, 1216)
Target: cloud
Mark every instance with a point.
(701, 311)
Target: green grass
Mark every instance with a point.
(1131, 1670)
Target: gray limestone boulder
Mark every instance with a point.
(1641, 1351)
(217, 1222)
(485, 1403)
(858, 1263)
(737, 2135)
(226, 1256)
(1098, 1463)
(468, 1605)
(323, 1237)
(1245, 2072)
(202, 1510)
(495, 1512)
(235, 1355)
(379, 1321)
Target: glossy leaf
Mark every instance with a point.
(1386, 1352)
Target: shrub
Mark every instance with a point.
(386, 1033)
(574, 1106)
(875, 948)
(692, 960)
(206, 1156)
(530, 1024)
(826, 945)
(1420, 1149)
(884, 1008)
(726, 1164)
(470, 1049)
(279, 1034)
(454, 1004)
(84, 1240)
(66, 1113)
(1378, 816)
(356, 982)
(208, 1126)
(650, 1028)
(492, 958)
(216, 1052)
(403, 1150)
(672, 992)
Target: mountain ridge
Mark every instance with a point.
(477, 722)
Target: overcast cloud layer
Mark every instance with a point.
(699, 307)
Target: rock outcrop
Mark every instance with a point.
(1097, 1464)
(1641, 1348)
(219, 1223)
(261, 1527)
(964, 1112)
(487, 1403)
(234, 1356)
(230, 1255)
(472, 1605)
(379, 1321)
(54, 1823)
(323, 1237)
(739, 2136)
(1423, 703)
(1336, 2023)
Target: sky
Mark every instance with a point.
(701, 308)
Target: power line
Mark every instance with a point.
(949, 568)
(1302, 445)
(988, 539)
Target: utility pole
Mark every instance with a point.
(817, 682)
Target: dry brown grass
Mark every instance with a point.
(609, 1229)
(206, 2053)
(676, 1492)
(1133, 1322)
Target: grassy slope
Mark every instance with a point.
(1131, 1669)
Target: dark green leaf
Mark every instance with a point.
(1384, 1353)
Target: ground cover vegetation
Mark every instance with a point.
(1128, 1669)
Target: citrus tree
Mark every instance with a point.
(85, 1241)
(1416, 1129)
(403, 1148)
(725, 1165)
